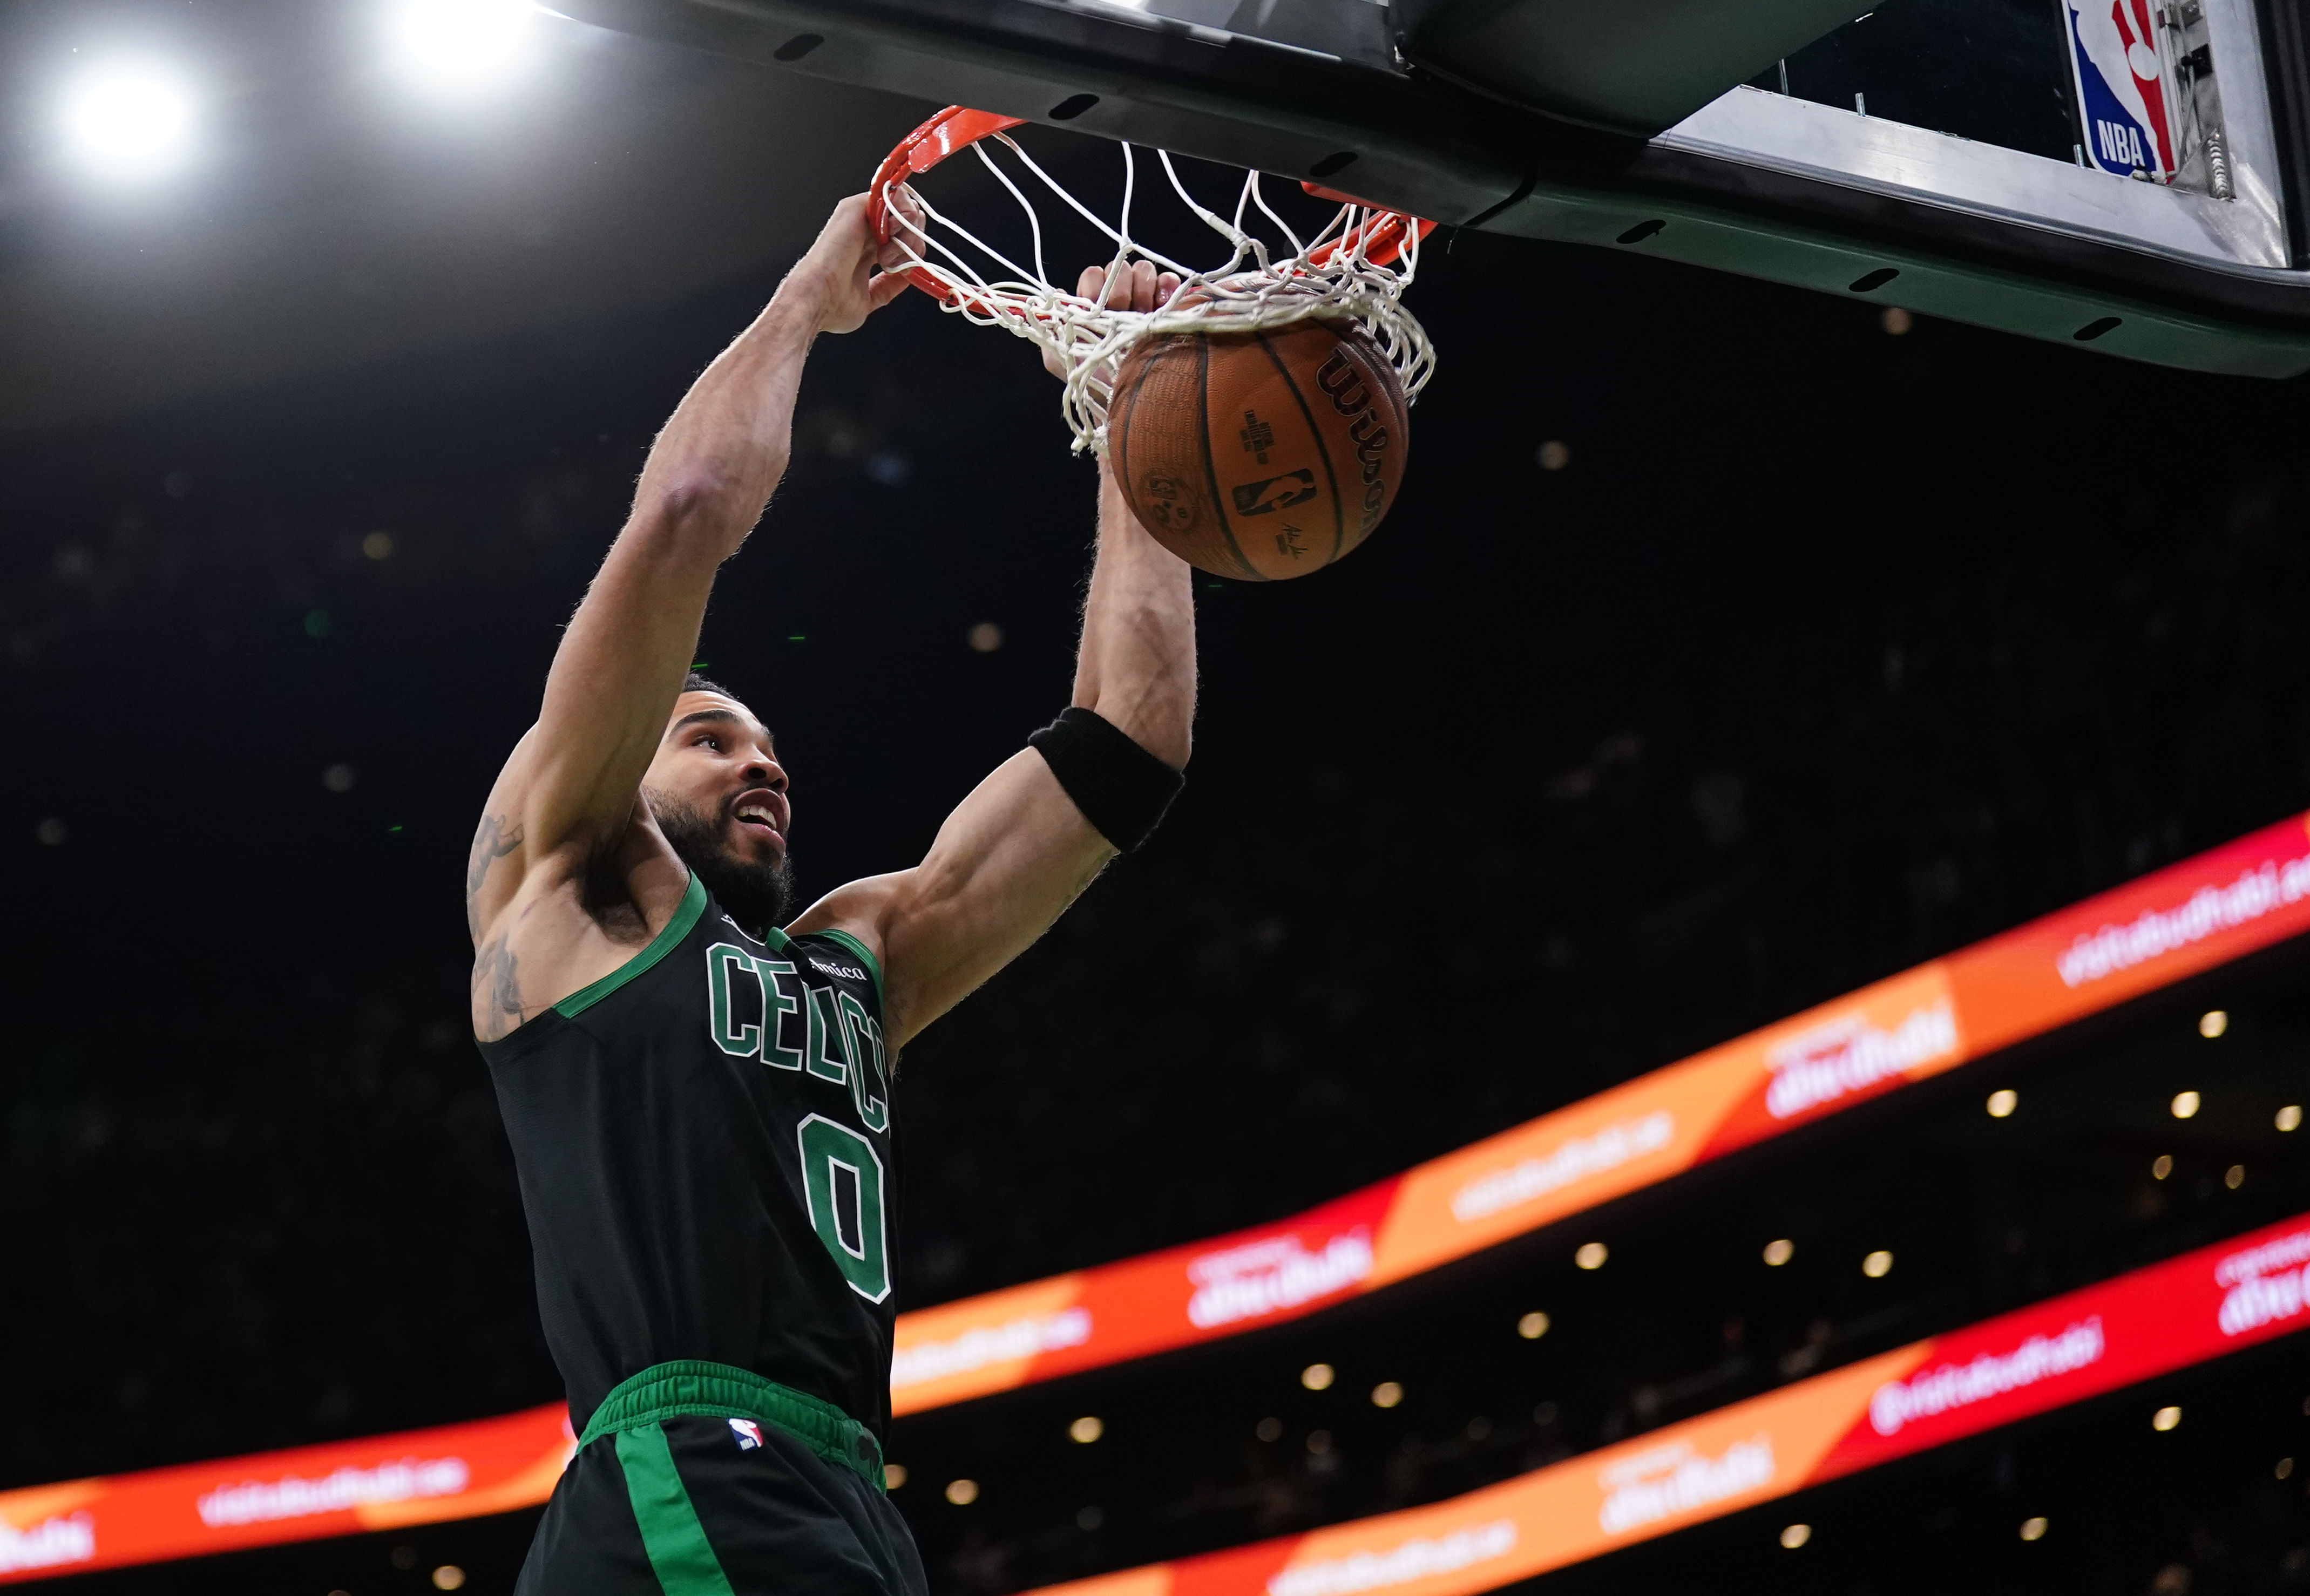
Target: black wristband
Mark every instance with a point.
(1121, 788)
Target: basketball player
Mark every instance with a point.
(700, 1101)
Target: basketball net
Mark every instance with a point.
(1355, 267)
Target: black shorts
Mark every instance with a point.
(695, 1505)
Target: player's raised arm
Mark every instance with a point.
(1035, 832)
(568, 797)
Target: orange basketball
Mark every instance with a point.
(1259, 456)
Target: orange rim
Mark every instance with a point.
(957, 127)
(1383, 235)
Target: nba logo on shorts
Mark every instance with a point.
(749, 1434)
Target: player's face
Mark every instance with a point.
(717, 764)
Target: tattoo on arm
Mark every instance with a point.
(492, 842)
(496, 990)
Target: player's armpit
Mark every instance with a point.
(1008, 862)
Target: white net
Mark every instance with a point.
(1357, 265)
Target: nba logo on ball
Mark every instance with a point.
(749, 1434)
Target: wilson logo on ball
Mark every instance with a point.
(1350, 396)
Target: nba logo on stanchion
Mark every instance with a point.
(2121, 81)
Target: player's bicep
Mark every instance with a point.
(1007, 862)
(617, 672)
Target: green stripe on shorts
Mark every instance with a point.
(671, 1535)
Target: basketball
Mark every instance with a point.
(1259, 456)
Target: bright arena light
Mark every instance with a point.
(130, 121)
(462, 42)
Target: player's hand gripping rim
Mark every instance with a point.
(1137, 286)
(851, 274)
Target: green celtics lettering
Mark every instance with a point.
(825, 1032)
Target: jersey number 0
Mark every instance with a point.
(842, 1180)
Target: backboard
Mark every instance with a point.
(2123, 175)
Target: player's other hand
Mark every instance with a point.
(1138, 286)
(851, 274)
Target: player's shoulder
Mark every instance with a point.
(835, 953)
(857, 911)
(843, 933)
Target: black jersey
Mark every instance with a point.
(704, 1142)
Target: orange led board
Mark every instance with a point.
(2147, 933)
(2168, 1316)
(2151, 1321)
(309, 1493)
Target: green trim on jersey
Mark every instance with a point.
(679, 1552)
(874, 966)
(693, 1385)
(693, 904)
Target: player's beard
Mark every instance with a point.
(756, 895)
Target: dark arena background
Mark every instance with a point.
(1734, 650)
